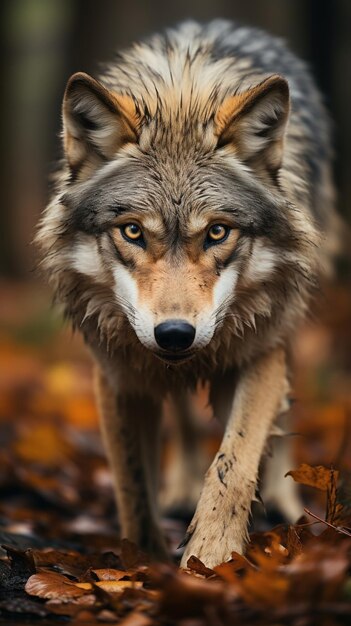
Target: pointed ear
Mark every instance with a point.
(254, 124)
(96, 122)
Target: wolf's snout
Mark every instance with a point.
(174, 335)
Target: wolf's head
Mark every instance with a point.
(177, 211)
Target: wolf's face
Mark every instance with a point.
(175, 276)
(172, 271)
(174, 219)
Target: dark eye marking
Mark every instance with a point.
(128, 263)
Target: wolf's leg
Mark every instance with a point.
(219, 525)
(185, 475)
(130, 429)
(277, 491)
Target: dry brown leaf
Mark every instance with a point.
(68, 562)
(258, 587)
(184, 595)
(195, 565)
(272, 556)
(111, 586)
(228, 571)
(109, 574)
(53, 586)
(318, 476)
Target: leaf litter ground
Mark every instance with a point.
(62, 560)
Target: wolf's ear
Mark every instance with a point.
(254, 123)
(96, 122)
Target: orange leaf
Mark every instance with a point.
(258, 588)
(319, 476)
(109, 574)
(111, 586)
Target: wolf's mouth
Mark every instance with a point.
(174, 357)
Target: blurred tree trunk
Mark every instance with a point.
(31, 62)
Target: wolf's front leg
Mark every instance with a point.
(219, 525)
(130, 429)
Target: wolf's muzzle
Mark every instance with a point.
(174, 335)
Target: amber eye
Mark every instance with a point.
(132, 232)
(217, 233)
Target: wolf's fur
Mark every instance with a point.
(188, 128)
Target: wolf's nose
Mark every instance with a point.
(174, 335)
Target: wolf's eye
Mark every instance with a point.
(132, 232)
(216, 234)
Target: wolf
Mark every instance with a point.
(192, 220)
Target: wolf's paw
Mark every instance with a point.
(213, 537)
(211, 549)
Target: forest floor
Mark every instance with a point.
(61, 560)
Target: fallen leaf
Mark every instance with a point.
(109, 574)
(195, 565)
(52, 586)
(183, 595)
(260, 588)
(71, 563)
(318, 476)
(111, 586)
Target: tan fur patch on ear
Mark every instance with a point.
(235, 106)
(227, 111)
(97, 122)
(254, 122)
(127, 107)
